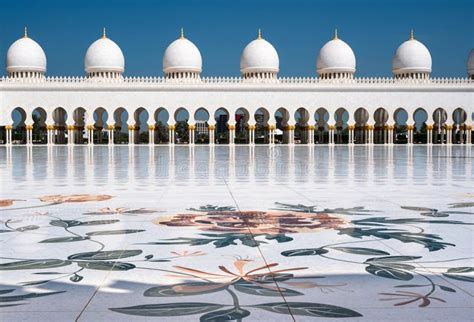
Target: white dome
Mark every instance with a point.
(259, 56)
(336, 56)
(104, 55)
(25, 55)
(411, 57)
(182, 56)
(470, 63)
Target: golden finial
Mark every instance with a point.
(412, 35)
(335, 34)
(26, 32)
(104, 34)
(259, 34)
(182, 33)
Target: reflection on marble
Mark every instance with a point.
(236, 233)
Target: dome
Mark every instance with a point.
(25, 55)
(104, 56)
(412, 57)
(470, 63)
(259, 57)
(182, 56)
(336, 57)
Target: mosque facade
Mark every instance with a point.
(181, 107)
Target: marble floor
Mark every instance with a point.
(237, 233)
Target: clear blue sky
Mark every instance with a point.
(221, 29)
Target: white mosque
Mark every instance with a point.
(181, 107)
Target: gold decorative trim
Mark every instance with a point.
(429, 127)
(151, 127)
(29, 127)
(211, 127)
(172, 127)
(131, 127)
(410, 127)
(70, 127)
(8, 127)
(111, 127)
(231, 127)
(331, 127)
(90, 127)
(191, 127)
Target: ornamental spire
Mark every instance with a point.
(182, 33)
(259, 34)
(104, 34)
(26, 32)
(412, 35)
(335, 34)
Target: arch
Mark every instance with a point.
(40, 134)
(201, 121)
(242, 117)
(400, 133)
(60, 117)
(161, 118)
(302, 117)
(120, 119)
(79, 116)
(459, 118)
(140, 117)
(18, 116)
(341, 116)
(420, 117)
(261, 116)
(222, 117)
(361, 117)
(381, 117)
(181, 117)
(440, 116)
(321, 116)
(282, 116)
(100, 117)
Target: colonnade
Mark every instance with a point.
(299, 127)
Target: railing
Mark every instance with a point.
(235, 80)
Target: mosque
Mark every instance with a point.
(259, 107)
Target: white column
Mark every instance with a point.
(252, 134)
(8, 134)
(131, 134)
(271, 133)
(70, 134)
(191, 129)
(151, 134)
(211, 131)
(231, 133)
(29, 134)
(449, 134)
(171, 131)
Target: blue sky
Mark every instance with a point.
(221, 29)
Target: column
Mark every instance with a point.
(90, 134)
(252, 134)
(231, 133)
(468, 134)
(111, 134)
(390, 134)
(449, 134)
(29, 134)
(291, 134)
(350, 128)
(171, 131)
(211, 129)
(410, 129)
(151, 134)
(131, 134)
(70, 134)
(191, 130)
(8, 134)
(311, 134)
